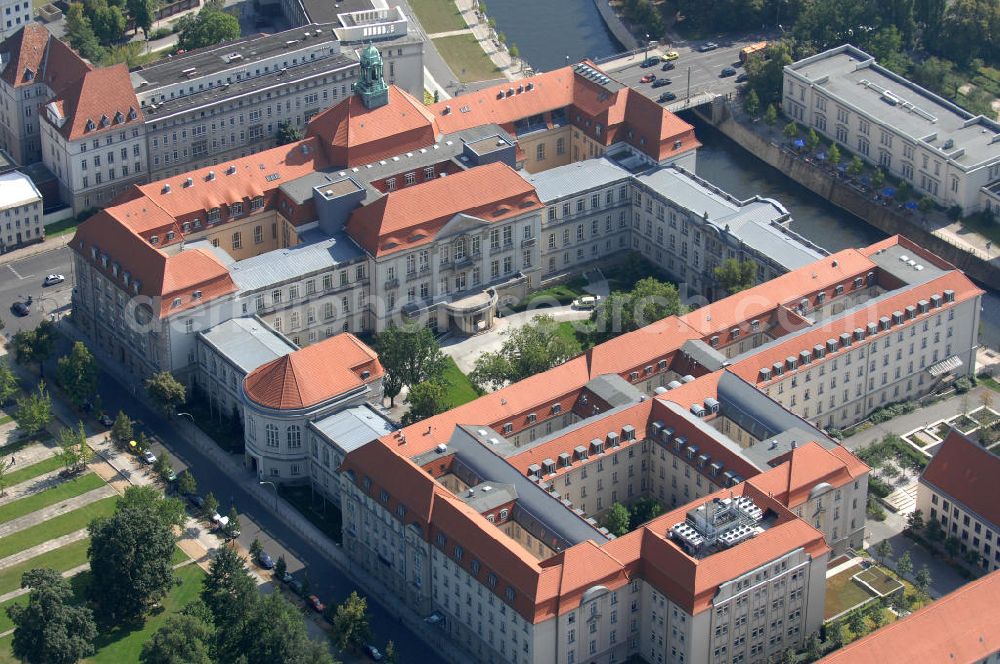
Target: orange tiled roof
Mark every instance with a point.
(33, 49)
(354, 135)
(314, 374)
(104, 93)
(962, 627)
(968, 473)
(798, 471)
(413, 216)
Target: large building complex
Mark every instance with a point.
(942, 150)
(958, 489)
(101, 129)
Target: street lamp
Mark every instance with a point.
(273, 486)
(645, 54)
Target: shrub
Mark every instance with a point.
(878, 487)
(875, 510)
(963, 385)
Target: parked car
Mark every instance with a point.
(707, 46)
(373, 653)
(296, 586)
(170, 475)
(315, 604)
(53, 279)
(197, 501)
(264, 560)
(651, 61)
(667, 66)
(586, 302)
(148, 457)
(742, 78)
(665, 97)
(20, 309)
(728, 71)
(648, 78)
(671, 55)
(105, 420)
(660, 82)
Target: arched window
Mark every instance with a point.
(272, 435)
(503, 514)
(251, 428)
(294, 437)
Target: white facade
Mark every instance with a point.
(942, 150)
(20, 211)
(13, 15)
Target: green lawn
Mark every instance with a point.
(61, 559)
(58, 493)
(438, 15)
(467, 59)
(568, 330)
(460, 388)
(26, 473)
(842, 593)
(6, 419)
(560, 294)
(63, 524)
(179, 556)
(5, 622)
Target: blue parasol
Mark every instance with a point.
(799, 143)
(911, 205)
(821, 156)
(888, 192)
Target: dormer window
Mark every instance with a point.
(196, 295)
(154, 239)
(104, 121)
(132, 115)
(177, 302)
(28, 74)
(90, 125)
(119, 118)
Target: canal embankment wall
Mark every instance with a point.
(617, 26)
(848, 198)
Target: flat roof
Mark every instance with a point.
(325, 11)
(317, 252)
(853, 76)
(353, 427)
(17, 189)
(891, 259)
(576, 178)
(247, 342)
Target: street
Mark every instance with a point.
(304, 559)
(23, 277)
(704, 70)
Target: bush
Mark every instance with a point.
(878, 487)
(963, 385)
(875, 510)
(889, 411)
(892, 447)
(160, 33)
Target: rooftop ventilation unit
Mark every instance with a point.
(188, 182)
(166, 189)
(210, 176)
(231, 170)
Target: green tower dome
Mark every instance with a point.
(371, 86)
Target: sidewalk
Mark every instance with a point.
(481, 31)
(35, 249)
(46, 513)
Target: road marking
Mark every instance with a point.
(16, 274)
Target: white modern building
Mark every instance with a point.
(942, 150)
(20, 211)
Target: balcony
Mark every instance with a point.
(527, 242)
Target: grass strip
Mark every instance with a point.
(64, 524)
(61, 559)
(58, 493)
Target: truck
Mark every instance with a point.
(752, 49)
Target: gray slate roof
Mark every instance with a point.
(247, 342)
(579, 177)
(353, 427)
(316, 254)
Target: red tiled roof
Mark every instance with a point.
(355, 135)
(101, 93)
(34, 49)
(968, 473)
(413, 216)
(962, 627)
(313, 374)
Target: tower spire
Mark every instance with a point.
(371, 86)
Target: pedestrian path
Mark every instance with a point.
(46, 513)
(31, 454)
(28, 487)
(44, 547)
(497, 52)
(904, 499)
(6, 597)
(450, 33)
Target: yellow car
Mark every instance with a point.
(671, 55)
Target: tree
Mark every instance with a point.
(49, 629)
(209, 27)
(351, 623)
(280, 568)
(812, 648)
(9, 385)
(233, 526)
(649, 301)
(791, 130)
(915, 520)
(935, 532)
(883, 550)
(838, 634)
(617, 520)
(74, 451)
(107, 20)
(515, 52)
(34, 411)
(5, 465)
(735, 276)
(210, 507)
(878, 178)
(147, 499)
(186, 484)
(77, 374)
(643, 510)
(34, 346)
(855, 167)
(528, 350)
(410, 354)
(876, 614)
(162, 464)
(426, 399)
(856, 622)
(130, 560)
(183, 639)
(923, 580)
(288, 133)
(833, 154)
(275, 631)
(121, 431)
(166, 391)
(142, 13)
(972, 558)
(389, 652)
(952, 546)
(752, 104)
(904, 566)
(229, 591)
(925, 204)
(770, 115)
(765, 75)
(81, 34)
(812, 140)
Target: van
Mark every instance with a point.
(586, 302)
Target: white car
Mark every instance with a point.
(53, 279)
(148, 457)
(586, 302)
